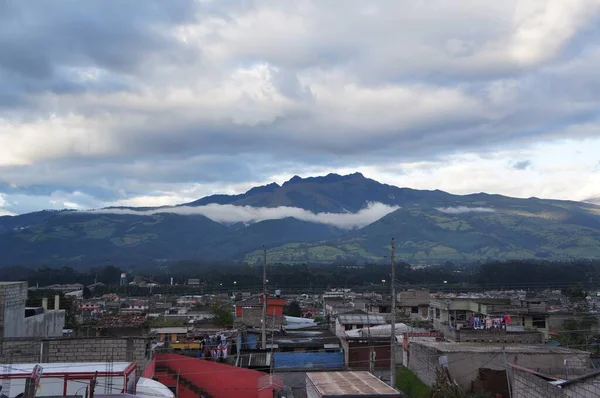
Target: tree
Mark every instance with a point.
(293, 309)
(222, 315)
(577, 332)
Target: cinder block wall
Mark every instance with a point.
(95, 349)
(526, 385)
(423, 362)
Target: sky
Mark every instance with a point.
(150, 103)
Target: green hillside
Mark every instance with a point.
(516, 229)
(429, 226)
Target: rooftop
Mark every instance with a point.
(448, 347)
(350, 383)
(361, 319)
(122, 321)
(170, 330)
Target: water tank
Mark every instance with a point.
(277, 293)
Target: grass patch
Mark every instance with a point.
(409, 383)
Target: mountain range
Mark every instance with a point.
(317, 219)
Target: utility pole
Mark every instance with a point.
(264, 308)
(393, 325)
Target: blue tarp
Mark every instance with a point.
(309, 360)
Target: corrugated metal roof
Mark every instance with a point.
(361, 319)
(349, 383)
(253, 360)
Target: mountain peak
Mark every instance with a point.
(263, 189)
(329, 178)
(295, 179)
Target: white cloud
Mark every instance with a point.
(248, 214)
(465, 209)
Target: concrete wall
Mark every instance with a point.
(48, 324)
(464, 366)
(13, 296)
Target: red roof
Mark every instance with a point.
(217, 379)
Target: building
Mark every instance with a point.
(69, 379)
(68, 288)
(413, 304)
(17, 320)
(464, 360)
(136, 306)
(347, 384)
(356, 320)
(249, 312)
(449, 314)
(171, 334)
(531, 384)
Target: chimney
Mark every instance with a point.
(45, 303)
(56, 302)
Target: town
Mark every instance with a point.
(299, 199)
(259, 343)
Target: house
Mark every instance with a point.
(249, 312)
(528, 383)
(356, 320)
(464, 360)
(171, 334)
(414, 304)
(136, 306)
(524, 316)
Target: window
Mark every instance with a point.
(437, 313)
(414, 310)
(539, 322)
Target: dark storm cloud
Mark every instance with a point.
(114, 99)
(39, 39)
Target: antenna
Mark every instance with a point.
(393, 318)
(264, 309)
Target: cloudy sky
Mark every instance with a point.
(161, 102)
